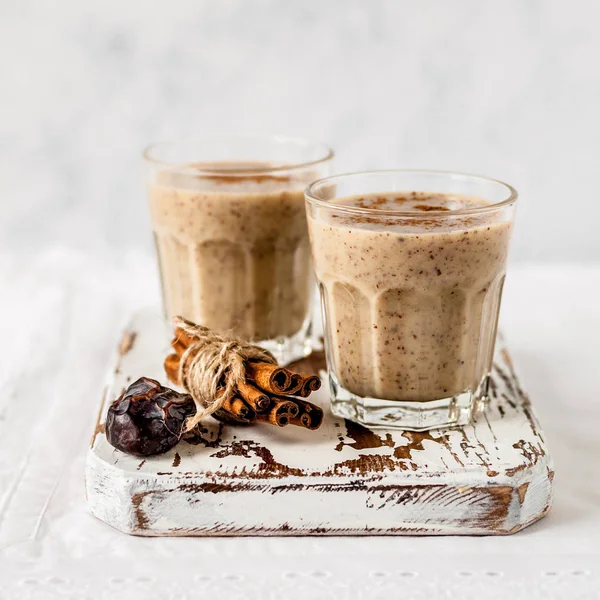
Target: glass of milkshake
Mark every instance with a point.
(410, 266)
(230, 231)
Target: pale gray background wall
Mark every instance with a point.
(510, 89)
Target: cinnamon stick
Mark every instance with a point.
(182, 338)
(254, 397)
(239, 409)
(178, 346)
(171, 365)
(310, 383)
(310, 415)
(281, 381)
(268, 377)
(295, 384)
(181, 342)
(280, 413)
(287, 404)
(227, 417)
(302, 420)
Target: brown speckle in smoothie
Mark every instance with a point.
(429, 207)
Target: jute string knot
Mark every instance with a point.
(212, 367)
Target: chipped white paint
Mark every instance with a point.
(492, 477)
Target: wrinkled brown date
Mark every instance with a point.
(147, 418)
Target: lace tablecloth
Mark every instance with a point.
(61, 316)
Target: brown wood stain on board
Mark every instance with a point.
(522, 490)
(415, 442)
(209, 437)
(140, 515)
(362, 438)
(500, 498)
(366, 463)
(530, 453)
(491, 504)
(268, 467)
(285, 530)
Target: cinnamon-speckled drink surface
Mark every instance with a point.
(411, 301)
(233, 249)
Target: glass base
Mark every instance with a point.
(289, 349)
(413, 416)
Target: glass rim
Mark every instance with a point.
(149, 156)
(311, 198)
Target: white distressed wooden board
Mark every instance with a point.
(493, 477)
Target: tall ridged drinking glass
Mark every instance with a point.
(230, 231)
(410, 266)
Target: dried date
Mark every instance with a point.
(148, 418)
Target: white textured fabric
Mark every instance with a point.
(61, 317)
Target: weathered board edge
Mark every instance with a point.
(127, 504)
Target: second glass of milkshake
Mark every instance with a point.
(231, 237)
(410, 266)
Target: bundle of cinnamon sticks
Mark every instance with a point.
(269, 394)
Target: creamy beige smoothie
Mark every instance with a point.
(233, 248)
(412, 303)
